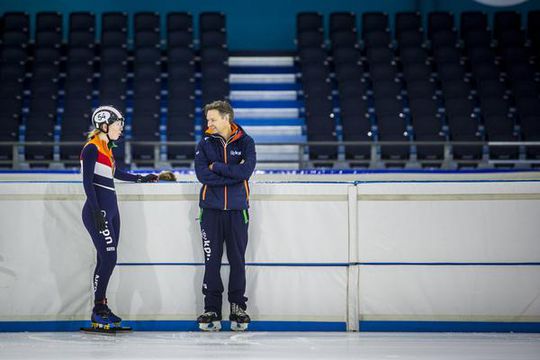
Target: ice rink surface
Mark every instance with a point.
(270, 345)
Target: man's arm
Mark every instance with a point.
(240, 171)
(207, 176)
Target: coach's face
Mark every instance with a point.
(217, 123)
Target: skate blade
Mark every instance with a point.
(109, 331)
(239, 326)
(95, 325)
(213, 326)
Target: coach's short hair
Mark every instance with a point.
(222, 106)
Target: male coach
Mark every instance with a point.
(224, 161)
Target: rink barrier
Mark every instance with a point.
(358, 258)
(172, 325)
(448, 326)
(365, 326)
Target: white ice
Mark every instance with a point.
(270, 345)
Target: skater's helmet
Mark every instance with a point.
(106, 115)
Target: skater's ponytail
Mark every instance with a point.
(92, 134)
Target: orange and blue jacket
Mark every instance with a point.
(226, 186)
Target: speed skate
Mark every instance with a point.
(106, 329)
(104, 321)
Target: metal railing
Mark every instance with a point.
(375, 160)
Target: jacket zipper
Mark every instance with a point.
(246, 186)
(225, 158)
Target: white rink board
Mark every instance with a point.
(274, 293)
(295, 223)
(52, 252)
(449, 293)
(285, 220)
(448, 222)
(319, 252)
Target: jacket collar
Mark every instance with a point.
(102, 145)
(236, 133)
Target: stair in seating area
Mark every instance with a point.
(265, 97)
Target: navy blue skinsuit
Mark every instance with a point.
(224, 203)
(98, 170)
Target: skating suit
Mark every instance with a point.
(98, 169)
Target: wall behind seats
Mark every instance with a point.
(257, 25)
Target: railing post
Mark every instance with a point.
(373, 155)
(353, 268)
(156, 154)
(127, 152)
(15, 155)
(301, 156)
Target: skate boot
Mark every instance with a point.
(209, 321)
(104, 321)
(239, 318)
(116, 320)
(100, 317)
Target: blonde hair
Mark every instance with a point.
(92, 133)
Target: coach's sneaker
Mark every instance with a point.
(209, 321)
(239, 318)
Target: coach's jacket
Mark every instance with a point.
(226, 186)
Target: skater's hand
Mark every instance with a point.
(147, 178)
(100, 221)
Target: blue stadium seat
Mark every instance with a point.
(374, 21)
(472, 21)
(309, 21)
(407, 21)
(439, 21)
(212, 21)
(179, 21)
(114, 21)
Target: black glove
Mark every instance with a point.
(100, 221)
(147, 178)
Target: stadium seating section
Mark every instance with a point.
(428, 79)
(424, 81)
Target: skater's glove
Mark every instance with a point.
(147, 178)
(99, 220)
(167, 176)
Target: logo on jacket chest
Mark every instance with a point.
(235, 153)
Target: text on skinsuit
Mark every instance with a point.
(96, 280)
(206, 245)
(106, 233)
